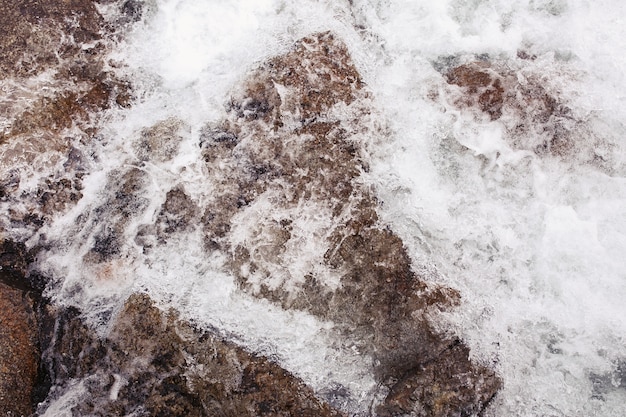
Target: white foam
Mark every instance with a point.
(535, 244)
(532, 244)
(181, 274)
(63, 406)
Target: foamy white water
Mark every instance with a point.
(535, 243)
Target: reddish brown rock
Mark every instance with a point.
(47, 118)
(286, 167)
(446, 386)
(152, 363)
(31, 32)
(290, 156)
(19, 353)
(537, 119)
(484, 87)
(19, 350)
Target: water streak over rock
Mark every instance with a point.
(19, 339)
(290, 156)
(153, 364)
(287, 208)
(55, 85)
(534, 114)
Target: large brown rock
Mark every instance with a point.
(19, 353)
(287, 166)
(19, 348)
(483, 85)
(153, 364)
(285, 172)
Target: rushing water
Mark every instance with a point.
(534, 241)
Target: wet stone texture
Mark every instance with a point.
(19, 354)
(534, 115)
(302, 230)
(153, 364)
(19, 338)
(31, 32)
(288, 207)
(55, 83)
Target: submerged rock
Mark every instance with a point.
(55, 82)
(534, 115)
(160, 142)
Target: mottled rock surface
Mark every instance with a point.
(535, 116)
(483, 85)
(447, 386)
(150, 363)
(19, 340)
(287, 207)
(19, 353)
(298, 225)
(289, 159)
(55, 83)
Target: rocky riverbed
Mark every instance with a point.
(158, 261)
(293, 144)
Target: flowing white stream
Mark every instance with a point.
(535, 243)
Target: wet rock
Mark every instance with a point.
(301, 227)
(606, 383)
(19, 353)
(61, 111)
(534, 115)
(9, 184)
(123, 201)
(57, 197)
(14, 262)
(15, 268)
(446, 386)
(133, 9)
(151, 363)
(48, 118)
(19, 349)
(160, 142)
(483, 87)
(177, 212)
(285, 172)
(31, 32)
